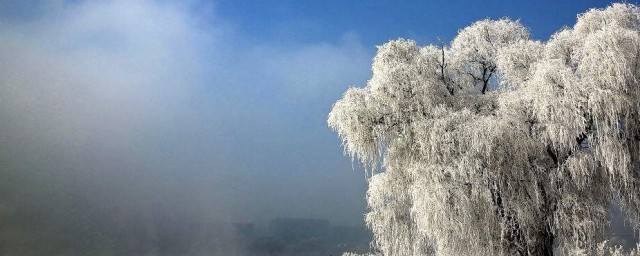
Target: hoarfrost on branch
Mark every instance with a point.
(498, 144)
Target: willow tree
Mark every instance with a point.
(497, 144)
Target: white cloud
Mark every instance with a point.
(317, 68)
(158, 87)
(100, 65)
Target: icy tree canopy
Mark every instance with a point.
(497, 144)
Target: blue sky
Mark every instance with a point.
(207, 108)
(377, 21)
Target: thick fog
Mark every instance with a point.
(117, 116)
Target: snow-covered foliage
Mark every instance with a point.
(498, 144)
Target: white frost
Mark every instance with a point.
(498, 144)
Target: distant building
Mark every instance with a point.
(246, 230)
(293, 229)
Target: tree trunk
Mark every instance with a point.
(543, 246)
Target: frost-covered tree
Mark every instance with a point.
(498, 144)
